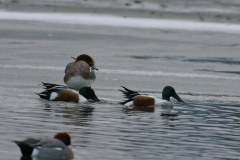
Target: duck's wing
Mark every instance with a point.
(34, 142)
(129, 94)
(26, 147)
(69, 65)
(51, 88)
(51, 85)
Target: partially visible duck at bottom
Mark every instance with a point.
(56, 148)
(54, 92)
(135, 99)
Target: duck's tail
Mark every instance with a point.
(45, 94)
(49, 89)
(129, 94)
(25, 148)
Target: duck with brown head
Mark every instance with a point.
(80, 73)
(56, 147)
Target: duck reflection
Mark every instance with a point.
(144, 109)
(164, 109)
(30, 158)
(165, 112)
(79, 115)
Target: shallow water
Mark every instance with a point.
(202, 66)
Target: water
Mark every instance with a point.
(202, 65)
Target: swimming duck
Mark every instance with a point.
(80, 73)
(56, 147)
(54, 92)
(139, 100)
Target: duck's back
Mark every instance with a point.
(69, 65)
(51, 148)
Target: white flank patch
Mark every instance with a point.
(159, 101)
(35, 152)
(58, 149)
(163, 103)
(53, 96)
(128, 104)
(81, 98)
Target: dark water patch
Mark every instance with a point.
(211, 70)
(207, 94)
(231, 72)
(226, 45)
(163, 6)
(5, 59)
(205, 70)
(137, 2)
(158, 57)
(174, 114)
(231, 45)
(17, 42)
(229, 61)
(222, 60)
(144, 57)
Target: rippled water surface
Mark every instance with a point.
(202, 66)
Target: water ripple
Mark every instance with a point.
(127, 72)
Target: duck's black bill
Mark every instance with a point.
(94, 67)
(95, 99)
(178, 98)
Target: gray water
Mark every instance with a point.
(203, 67)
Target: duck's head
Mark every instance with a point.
(64, 137)
(168, 92)
(88, 59)
(88, 93)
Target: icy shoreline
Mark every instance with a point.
(208, 11)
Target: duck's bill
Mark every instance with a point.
(178, 98)
(94, 67)
(95, 99)
(72, 145)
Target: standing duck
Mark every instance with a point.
(80, 73)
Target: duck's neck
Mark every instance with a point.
(166, 97)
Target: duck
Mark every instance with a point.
(55, 92)
(56, 147)
(80, 73)
(136, 99)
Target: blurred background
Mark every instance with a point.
(198, 10)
